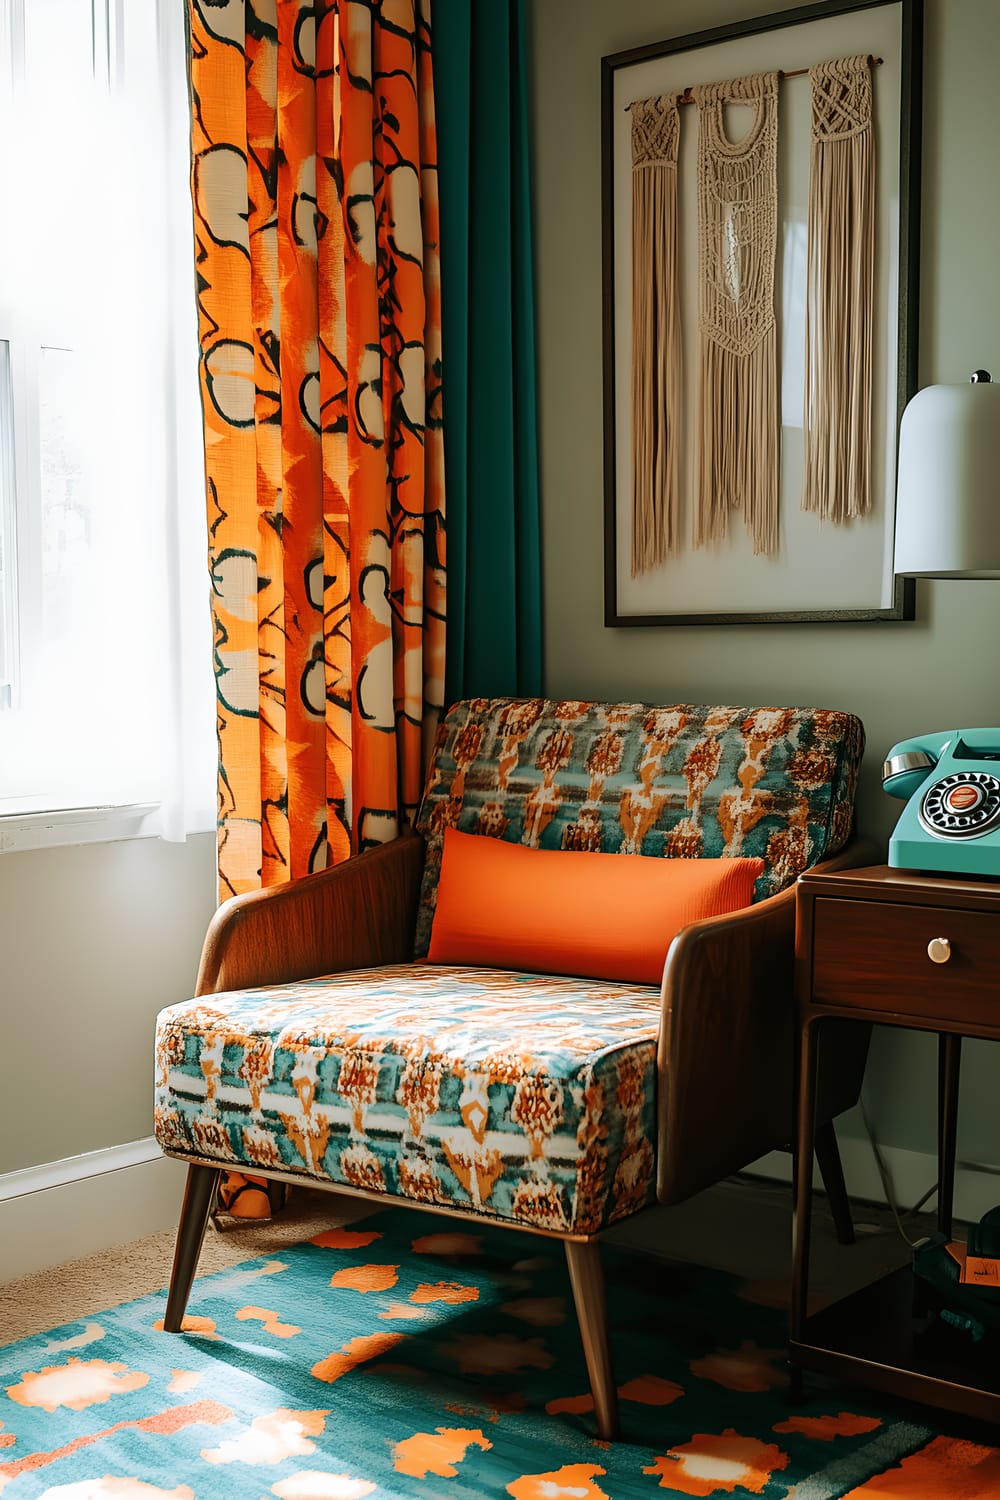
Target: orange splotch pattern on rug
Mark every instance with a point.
(651, 1390)
(192, 1323)
(269, 1268)
(947, 1466)
(744, 1369)
(76, 1384)
(571, 1482)
(272, 1323)
(436, 1452)
(718, 1464)
(167, 1423)
(542, 1312)
(444, 1291)
(573, 1404)
(447, 1243)
(647, 1390)
(366, 1278)
(502, 1353)
(403, 1310)
(92, 1334)
(512, 1401)
(345, 1239)
(473, 1409)
(356, 1351)
(271, 1438)
(328, 1413)
(842, 1424)
(317, 1484)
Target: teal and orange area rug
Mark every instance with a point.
(402, 1358)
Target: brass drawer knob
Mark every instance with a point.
(939, 950)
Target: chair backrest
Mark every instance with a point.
(684, 781)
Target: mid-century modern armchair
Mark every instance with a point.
(352, 1030)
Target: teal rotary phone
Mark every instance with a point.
(951, 821)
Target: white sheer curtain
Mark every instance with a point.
(188, 789)
(108, 637)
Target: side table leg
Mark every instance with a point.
(949, 1065)
(802, 1216)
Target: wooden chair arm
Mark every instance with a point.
(355, 915)
(726, 1057)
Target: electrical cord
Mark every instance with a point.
(901, 1215)
(887, 1183)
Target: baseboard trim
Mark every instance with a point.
(84, 1205)
(977, 1185)
(52, 1174)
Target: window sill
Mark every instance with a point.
(77, 825)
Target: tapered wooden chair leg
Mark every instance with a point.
(199, 1195)
(832, 1173)
(586, 1276)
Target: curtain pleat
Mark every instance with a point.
(494, 567)
(527, 530)
(316, 222)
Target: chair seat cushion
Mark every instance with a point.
(525, 1097)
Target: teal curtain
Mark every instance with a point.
(494, 634)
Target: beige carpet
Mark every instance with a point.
(84, 1287)
(742, 1226)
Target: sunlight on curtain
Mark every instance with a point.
(107, 638)
(315, 190)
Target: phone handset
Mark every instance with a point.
(908, 764)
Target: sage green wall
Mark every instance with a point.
(938, 671)
(95, 939)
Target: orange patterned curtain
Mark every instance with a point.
(314, 181)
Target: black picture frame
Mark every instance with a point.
(627, 75)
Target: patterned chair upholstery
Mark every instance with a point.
(323, 1046)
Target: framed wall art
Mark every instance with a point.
(760, 236)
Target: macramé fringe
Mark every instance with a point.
(739, 442)
(656, 334)
(836, 478)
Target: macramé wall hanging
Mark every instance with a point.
(656, 331)
(760, 305)
(836, 479)
(738, 433)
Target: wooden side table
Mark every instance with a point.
(896, 948)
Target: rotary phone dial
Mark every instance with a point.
(962, 805)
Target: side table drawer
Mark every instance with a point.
(872, 955)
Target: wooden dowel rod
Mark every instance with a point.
(688, 98)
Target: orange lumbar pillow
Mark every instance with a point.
(565, 911)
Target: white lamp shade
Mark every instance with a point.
(948, 483)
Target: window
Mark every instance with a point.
(105, 642)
